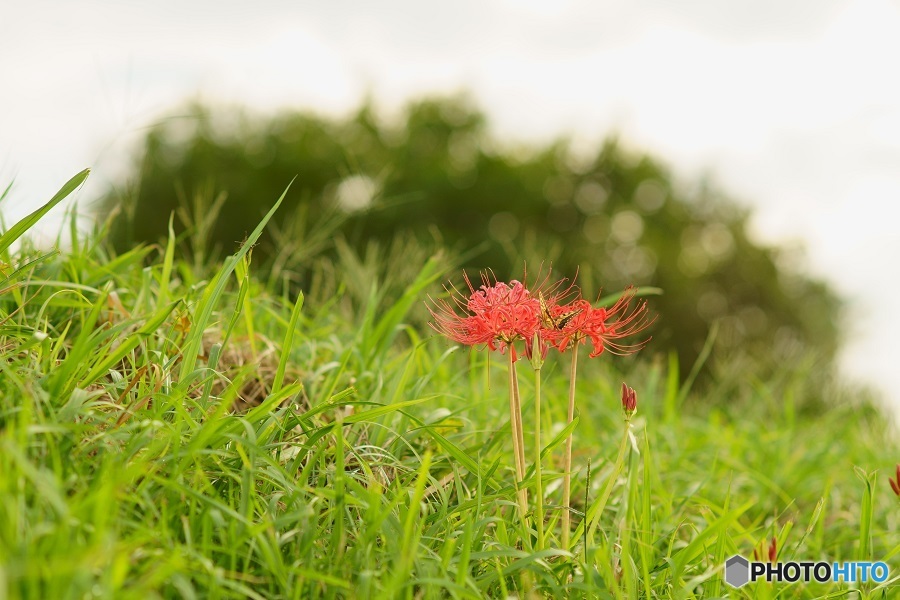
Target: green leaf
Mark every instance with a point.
(203, 314)
(17, 230)
(287, 345)
(638, 293)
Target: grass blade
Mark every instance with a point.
(17, 230)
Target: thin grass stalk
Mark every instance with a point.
(587, 491)
(538, 482)
(597, 510)
(515, 427)
(567, 464)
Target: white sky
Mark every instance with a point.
(792, 105)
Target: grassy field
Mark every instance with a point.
(175, 429)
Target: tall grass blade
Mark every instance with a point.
(17, 230)
(213, 292)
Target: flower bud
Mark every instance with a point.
(895, 483)
(629, 400)
(768, 553)
(537, 358)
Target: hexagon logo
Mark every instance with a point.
(737, 571)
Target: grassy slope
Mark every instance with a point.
(370, 459)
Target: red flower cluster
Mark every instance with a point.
(497, 314)
(603, 326)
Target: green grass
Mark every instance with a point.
(175, 430)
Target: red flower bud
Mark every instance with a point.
(629, 400)
(895, 483)
(770, 553)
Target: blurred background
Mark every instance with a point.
(742, 156)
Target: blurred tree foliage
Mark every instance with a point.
(435, 173)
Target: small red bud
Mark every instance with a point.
(895, 483)
(629, 400)
(762, 552)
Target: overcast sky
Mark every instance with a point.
(792, 106)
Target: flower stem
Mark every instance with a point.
(596, 509)
(515, 424)
(567, 465)
(520, 435)
(538, 482)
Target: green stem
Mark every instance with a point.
(520, 436)
(567, 465)
(538, 482)
(596, 509)
(515, 424)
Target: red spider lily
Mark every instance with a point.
(496, 314)
(580, 321)
(550, 298)
(895, 483)
(629, 400)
